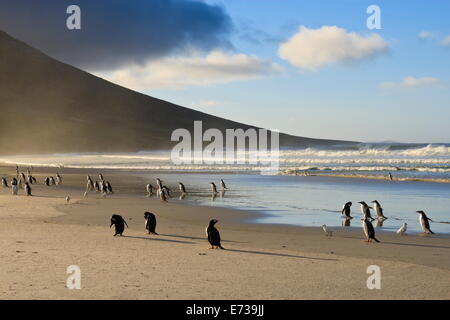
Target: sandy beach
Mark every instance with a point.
(42, 235)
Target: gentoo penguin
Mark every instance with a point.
(423, 219)
(4, 183)
(104, 188)
(369, 231)
(27, 189)
(159, 183)
(109, 187)
(166, 190)
(47, 181)
(328, 233)
(162, 195)
(68, 199)
(96, 186)
(100, 176)
(365, 210)
(14, 186)
(402, 229)
(58, 179)
(346, 210)
(222, 184)
(379, 210)
(52, 181)
(213, 188)
(213, 235)
(149, 189)
(119, 224)
(150, 222)
(182, 188)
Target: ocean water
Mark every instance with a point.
(291, 197)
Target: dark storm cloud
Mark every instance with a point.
(116, 32)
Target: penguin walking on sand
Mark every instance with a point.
(100, 176)
(58, 179)
(365, 210)
(27, 189)
(47, 181)
(182, 188)
(346, 210)
(119, 224)
(213, 235)
(52, 181)
(162, 195)
(159, 183)
(379, 210)
(89, 184)
(150, 222)
(328, 232)
(109, 187)
(222, 185)
(4, 183)
(96, 186)
(166, 190)
(149, 189)
(369, 231)
(402, 229)
(423, 219)
(14, 186)
(213, 188)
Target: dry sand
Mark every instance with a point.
(41, 236)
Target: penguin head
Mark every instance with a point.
(420, 212)
(213, 222)
(363, 203)
(375, 201)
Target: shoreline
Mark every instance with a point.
(260, 261)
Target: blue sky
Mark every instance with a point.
(308, 68)
(338, 101)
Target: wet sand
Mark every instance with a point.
(41, 236)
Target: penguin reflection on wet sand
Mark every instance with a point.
(423, 219)
(213, 235)
(369, 231)
(119, 224)
(150, 222)
(346, 210)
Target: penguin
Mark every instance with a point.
(67, 199)
(162, 195)
(213, 188)
(22, 175)
(30, 179)
(166, 190)
(47, 181)
(379, 210)
(89, 184)
(104, 188)
(182, 188)
(14, 186)
(213, 235)
(222, 184)
(346, 210)
(328, 233)
(149, 189)
(369, 231)
(52, 181)
(390, 177)
(58, 179)
(402, 229)
(365, 210)
(159, 183)
(423, 219)
(119, 224)
(150, 222)
(4, 183)
(27, 189)
(100, 176)
(109, 187)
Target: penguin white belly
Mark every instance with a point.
(422, 223)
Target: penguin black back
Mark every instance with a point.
(150, 222)
(119, 224)
(213, 235)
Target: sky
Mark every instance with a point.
(307, 68)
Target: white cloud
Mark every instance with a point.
(413, 82)
(425, 35)
(446, 41)
(192, 70)
(314, 48)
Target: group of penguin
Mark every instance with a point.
(102, 186)
(119, 224)
(22, 181)
(367, 219)
(163, 192)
